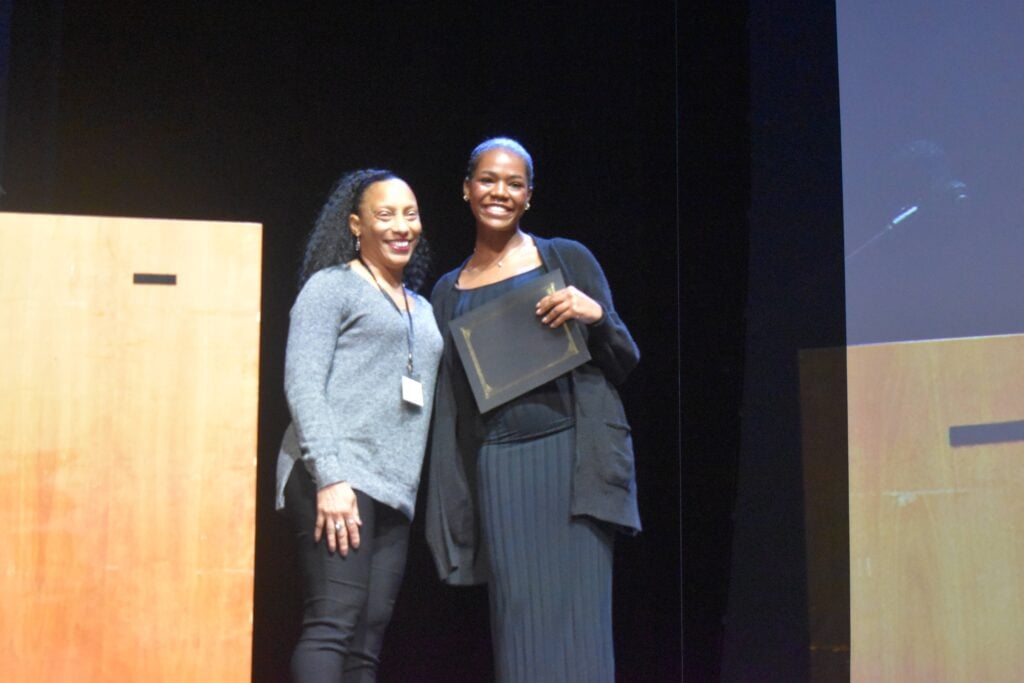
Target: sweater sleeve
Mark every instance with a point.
(611, 346)
(314, 325)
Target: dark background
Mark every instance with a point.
(658, 142)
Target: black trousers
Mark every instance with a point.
(347, 600)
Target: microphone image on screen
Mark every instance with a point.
(922, 270)
(920, 187)
(922, 181)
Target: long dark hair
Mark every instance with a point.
(331, 243)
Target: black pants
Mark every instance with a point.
(348, 600)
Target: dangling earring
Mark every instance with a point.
(527, 206)
(358, 245)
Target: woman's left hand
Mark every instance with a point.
(565, 304)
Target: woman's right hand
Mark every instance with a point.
(337, 517)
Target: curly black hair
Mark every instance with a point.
(331, 243)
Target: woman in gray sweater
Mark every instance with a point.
(360, 365)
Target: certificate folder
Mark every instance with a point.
(507, 351)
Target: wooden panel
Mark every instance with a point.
(128, 441)
(936, 547)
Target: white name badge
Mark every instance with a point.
(412, 391)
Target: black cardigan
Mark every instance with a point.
(604, 482)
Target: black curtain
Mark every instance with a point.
(796, 302)
(195, 110)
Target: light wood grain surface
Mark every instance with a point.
(936, 549)
(127, 448)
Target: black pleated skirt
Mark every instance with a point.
(551, 586)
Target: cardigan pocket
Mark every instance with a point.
(616, 467)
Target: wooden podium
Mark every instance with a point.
(937, 530)
(127, 448)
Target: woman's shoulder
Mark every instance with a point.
(332, 282)
(569, 249)
(332, 275)
(562, 244)
(445, 282)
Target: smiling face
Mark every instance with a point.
(387, 225)
(498, 190)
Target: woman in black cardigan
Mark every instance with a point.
(526, 497)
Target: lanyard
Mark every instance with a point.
(410, 337)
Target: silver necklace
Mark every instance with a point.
(501, 261)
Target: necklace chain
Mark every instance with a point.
(500, 261)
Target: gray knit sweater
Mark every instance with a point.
(344, 363)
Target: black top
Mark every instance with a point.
(603, 476)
